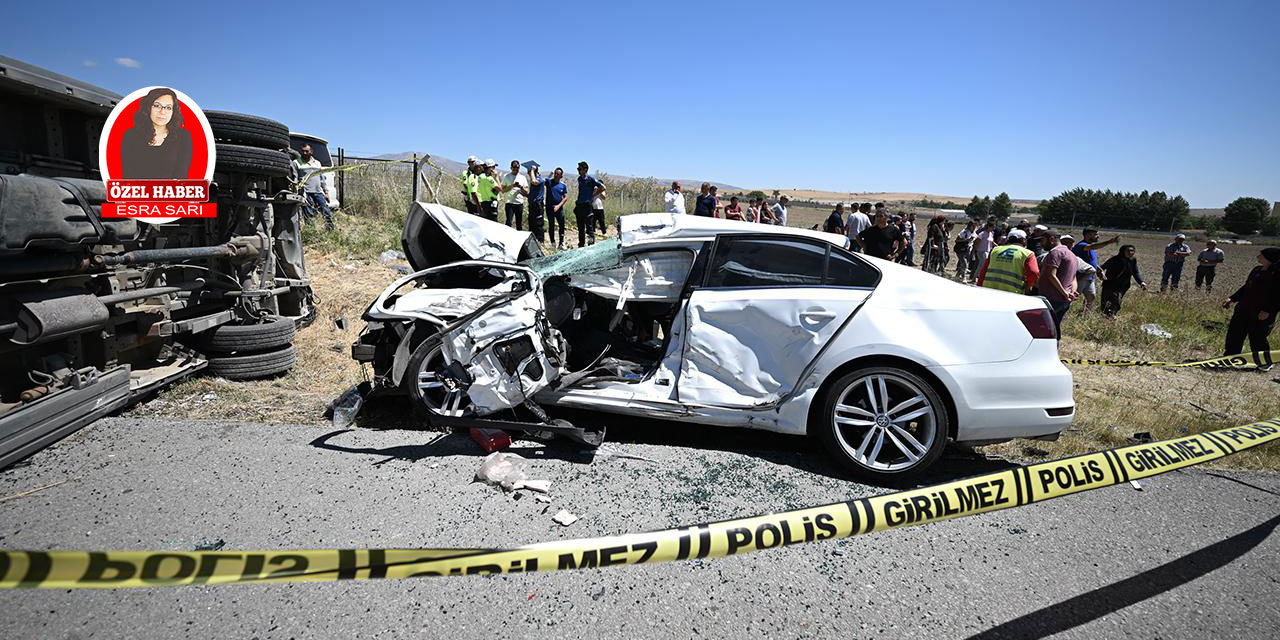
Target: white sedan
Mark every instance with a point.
(714, 322)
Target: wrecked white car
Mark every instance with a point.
(713, 322)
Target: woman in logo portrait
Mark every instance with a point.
(157, 147)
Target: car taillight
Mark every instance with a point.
(1039, 323)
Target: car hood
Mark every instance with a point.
(435, 235)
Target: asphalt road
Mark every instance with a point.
(1192, 555)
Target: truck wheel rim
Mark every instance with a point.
(884, 422)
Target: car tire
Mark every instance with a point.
(251, 366)
(242, 128)
(864, 432)
(426, 392)
(236, 158)
(247, 338)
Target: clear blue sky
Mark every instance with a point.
(949, 97)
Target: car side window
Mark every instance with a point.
(767, 262)
(844, 270)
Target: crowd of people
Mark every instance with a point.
(1022, 258)
(1036, 260)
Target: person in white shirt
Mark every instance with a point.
(780, 211)
(855, 224)
(516, 188)
(674, 198)
(317, 196)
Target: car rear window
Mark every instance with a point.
(844, 270)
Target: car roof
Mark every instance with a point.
(644, 228)
(308, 137)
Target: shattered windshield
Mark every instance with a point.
(602, 255)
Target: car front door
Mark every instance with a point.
(767, 306)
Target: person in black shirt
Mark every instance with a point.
(881, 240)
(156, 147)
(1257, 303)
(835, 221)
(1120, 270)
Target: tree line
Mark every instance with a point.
(1115, 209)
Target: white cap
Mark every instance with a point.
(490, 163)
(1180, 236)
(1041, 227)
(472, 159)
(1067, 236)
(1017, 234)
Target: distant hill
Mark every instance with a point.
(832, 197)
(451, 166)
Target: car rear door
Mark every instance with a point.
(767, 306)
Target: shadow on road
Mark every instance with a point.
(794, 451)
(1095, 604)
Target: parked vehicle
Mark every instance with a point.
(96, 312)
(714, 322)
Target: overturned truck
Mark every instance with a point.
(96, 312)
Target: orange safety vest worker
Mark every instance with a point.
(1007, 269)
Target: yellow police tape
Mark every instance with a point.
(1238, 361)
(979, 494)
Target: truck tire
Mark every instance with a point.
(235, 158)
(247, 338)
(250, 366)
(241, 128)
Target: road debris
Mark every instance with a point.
(1156, 330)
(605, 452)
(345, 408)
(491, 439)
(564, 518)
(1141, 437)
(211, 546)
(28, 492)
(506, 470)
(1136, 485)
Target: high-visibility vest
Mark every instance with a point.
(1007, 268)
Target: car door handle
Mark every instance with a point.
(814, 317)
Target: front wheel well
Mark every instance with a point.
(815, 406)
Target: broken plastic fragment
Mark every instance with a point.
(564, 518)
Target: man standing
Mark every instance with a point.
(557, 196)
(982, 246)
(674, 198)
(713, 200)
(467, 182)
(880, 240)
(700, 207)
(1087, 251)
(316, 195)
(1209, 260)
(516, 188)
(583, 211)
(779, 211)
(835, 222)
(1033, 241)
(1010, 267)
(963, 249)
(488, 188)
(857, 223)
(537, 202)
(907, 225)
(1174, 256)
(1057, 281)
